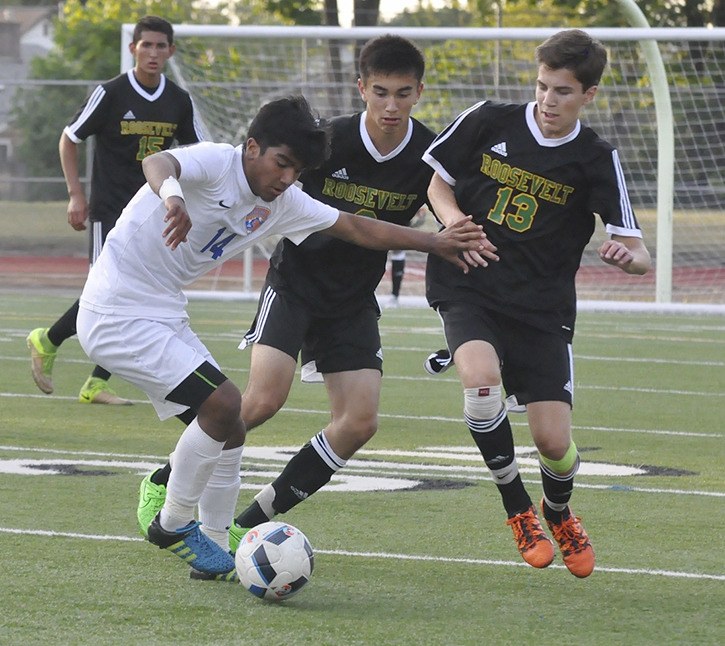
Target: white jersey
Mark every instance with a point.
(137, 274)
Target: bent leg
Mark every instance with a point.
(271, 373)
(354, 401)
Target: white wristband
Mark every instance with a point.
(170, 187)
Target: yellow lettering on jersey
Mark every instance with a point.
(152, 128)
(525, 181)
(366, 196)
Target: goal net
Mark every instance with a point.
(231, 71)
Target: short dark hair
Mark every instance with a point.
(388, 55)
(290, 122)
(577, 51)
(153, 23)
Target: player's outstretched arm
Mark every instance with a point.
(628, 253)
(376, 234)
(162, 171)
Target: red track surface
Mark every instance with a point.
(690, 284)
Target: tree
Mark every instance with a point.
(660, 13)
(315, 12)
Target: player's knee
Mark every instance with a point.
(560, 455)
(352, 433)
(483, 403)
(222, 410)
(362, 431)
(258, 409)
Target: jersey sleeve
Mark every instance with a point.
(190, 130)
(609, 197)
(202, 163)
(447, 154)
(91, 116)
(304, 215)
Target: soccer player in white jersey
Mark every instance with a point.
(534, 177)
(201, 205)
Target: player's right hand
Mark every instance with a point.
(77, 212)
(179, 222)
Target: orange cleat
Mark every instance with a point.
(574, 544)
(533, 543)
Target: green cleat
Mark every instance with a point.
(42, 357)
(97, 391)
(236, 533)
(151, 497)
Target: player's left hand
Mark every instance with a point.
(179, 222)
(469, 238)
(615, 253)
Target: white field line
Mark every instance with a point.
(425, 351)
(398, 557)
(421, 418)
(412, 470)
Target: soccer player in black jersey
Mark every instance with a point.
(132, 115)
(534, 177)
(319, 300)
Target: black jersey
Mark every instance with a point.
(536, 199)
(331, 275)
(130, 122)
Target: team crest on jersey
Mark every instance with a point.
(256, 218)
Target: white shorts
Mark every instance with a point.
(154, 355)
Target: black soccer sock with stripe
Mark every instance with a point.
(558, 489)
(304, 474)
(497, 448)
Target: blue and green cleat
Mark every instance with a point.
(192, 546)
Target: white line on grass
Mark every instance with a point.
(421, 418)
(418, 470)
(386, 555)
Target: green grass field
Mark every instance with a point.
(411, 546)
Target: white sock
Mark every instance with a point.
(219, 500)
(195, 456)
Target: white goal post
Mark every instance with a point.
(661, 103)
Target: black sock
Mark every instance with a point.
(304, 474)
(251, 516)
(558, 489)
(101, 373)
(397, 272)
(65, 327)
(497, 448)
(161, 476)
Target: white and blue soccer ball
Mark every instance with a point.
(274, 561)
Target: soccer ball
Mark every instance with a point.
(274, 561)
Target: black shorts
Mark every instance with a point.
(197, 387)
(350, 342)
(535, 365)
(98, 231)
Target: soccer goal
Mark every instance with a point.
(664, 90)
